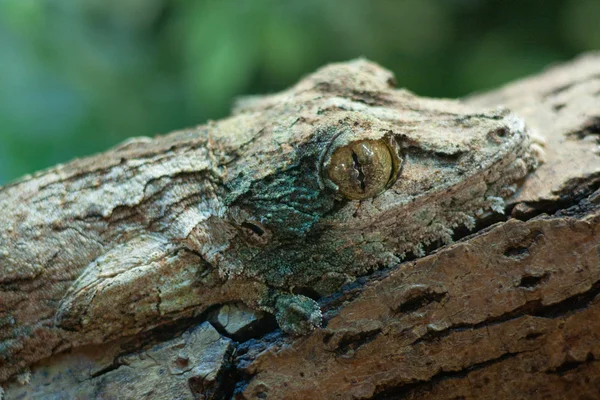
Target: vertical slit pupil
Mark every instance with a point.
(361, 175)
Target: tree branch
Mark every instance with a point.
(510, 312)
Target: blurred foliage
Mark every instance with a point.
(79, 76)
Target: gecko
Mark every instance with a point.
(291, 197)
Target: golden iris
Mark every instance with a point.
(361, 169)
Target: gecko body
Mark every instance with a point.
(291, 197)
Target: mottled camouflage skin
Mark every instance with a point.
(242, 210)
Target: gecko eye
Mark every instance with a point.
(362, 169)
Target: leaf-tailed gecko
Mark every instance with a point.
(291, 197)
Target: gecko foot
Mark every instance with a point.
(297, 314)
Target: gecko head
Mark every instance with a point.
(358, 178)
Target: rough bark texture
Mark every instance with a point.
(510, 312)
(247, 209)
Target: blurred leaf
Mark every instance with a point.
(220, 49)
(287, 47)
(413, 26)
(581, 23)
(496, 60)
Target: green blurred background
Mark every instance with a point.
(78, 76)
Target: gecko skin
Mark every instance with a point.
(297, 192)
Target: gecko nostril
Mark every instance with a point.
(498, 135)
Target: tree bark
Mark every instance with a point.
(509, 312)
